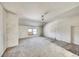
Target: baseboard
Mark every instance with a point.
(3, 52)
(28, 37)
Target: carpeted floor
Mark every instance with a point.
(37, 47)
(68, 46)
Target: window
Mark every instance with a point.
(32, 31)
(29, 31)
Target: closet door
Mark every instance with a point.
(75, 35)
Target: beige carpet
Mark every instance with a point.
(68, 46)
(37, 47)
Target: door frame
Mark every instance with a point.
(72, 34)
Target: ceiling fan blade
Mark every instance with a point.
(46, 13)
(42, 16)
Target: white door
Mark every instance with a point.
(75, 35)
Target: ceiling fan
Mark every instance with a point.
(43, 16)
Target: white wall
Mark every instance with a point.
(61, 29)
(29, 22)
(12, 29)
(9, 30)
(3, 40)
(4, 28)
(24, 31)
(1, 32)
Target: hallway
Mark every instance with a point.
(36, 47)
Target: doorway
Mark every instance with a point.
(75, 35)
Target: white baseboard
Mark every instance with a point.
(2, 52)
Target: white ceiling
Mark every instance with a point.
(34, 10)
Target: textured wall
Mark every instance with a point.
(24, 31)
(61, 29)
